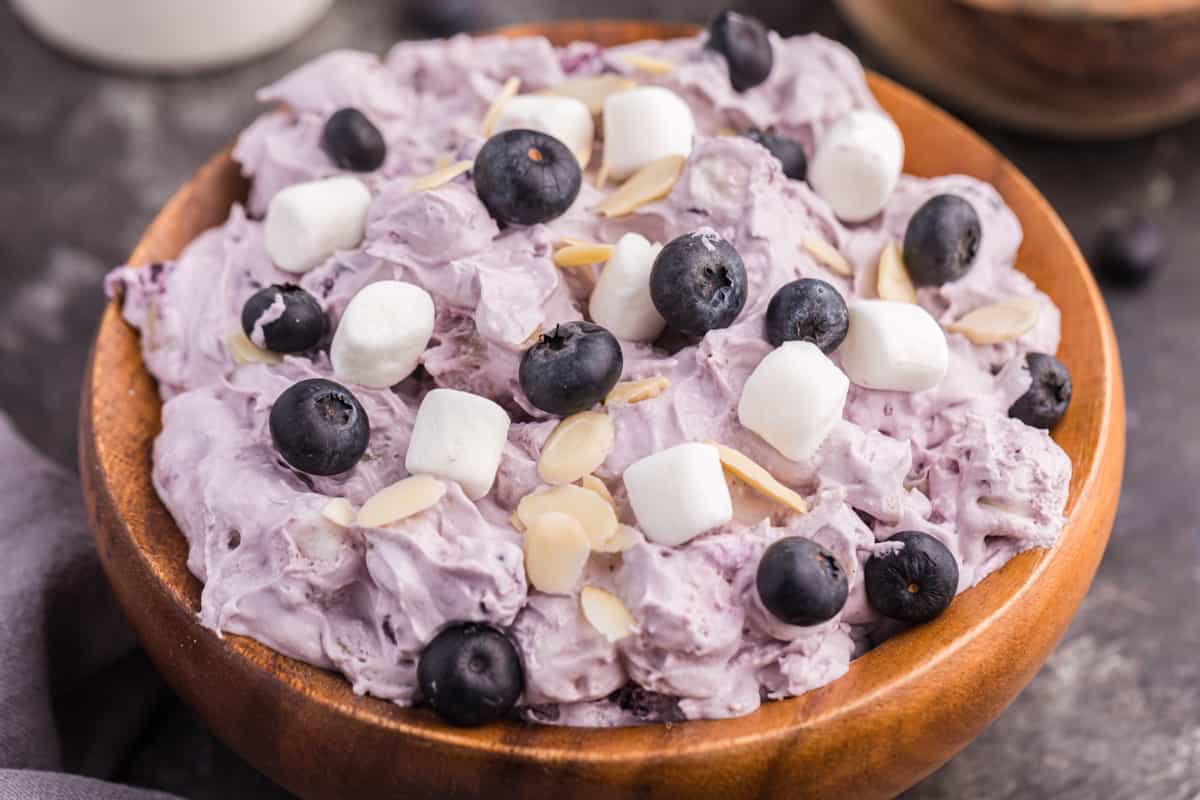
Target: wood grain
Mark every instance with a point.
(901, 711)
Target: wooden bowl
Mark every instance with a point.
(1074, 69)
(902, 710)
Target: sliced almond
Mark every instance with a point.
(893, 282)
(827, 256)
(637, 391)
(602, 175)
(401, 500)
(440, 176)
(340, 512)
(606, 613)
(756, 477)
(597, 517)
(598, 486)
(726, 131)
(625, 538)
(582, 254)
(650, 64)
(577, 446)
(514, 519)
(245, 351)
(652, 182)
(442, 161)
(593, 90)
(556, 551)
(1004, 321)
(507, 92)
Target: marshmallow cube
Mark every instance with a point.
(565, 118)
(458, 436)
(643, 125)
(894, 346)
(308, 222)
(382, 334)
(793, 398)
(679, 493)
(621, 300)
(857, 164)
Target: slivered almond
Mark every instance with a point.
(827, 256)
(401, 500)
(1004, 321)
(440, 176)
(507, 92)
(650, 64)
(340, 512)
(575, 447)
(442, 161)
(893, 282)
(556, 551)
(514, 519)
(606, 613)
(625, 538)
(757, 478)
(592, 90)
(582, 254)
(637, 391)
(597, 517)
(599, 487)
(652, 182)
(725, 131)
(245, 351)
(532, 339)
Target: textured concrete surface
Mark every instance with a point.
(86, 157)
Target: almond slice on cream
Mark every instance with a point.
(625, 538)
(401, 500)
(652, 182)
(650, 64)
(599, 487)
(827, 256)
(582, 254)
(507, 92)
(577, 446)
(340, 512)
(556, 551)
(593, 90)
(1004, 321)
(606, 613)
(597, 517)
(245, 351)
(637, 391)
(440, 177)
(756, 477)
(893, 282)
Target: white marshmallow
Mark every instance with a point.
(382, 334)
(458, 436)
(309, 222)
(679, 493)
(643, 125)
(793, 398)
(565, 118)
(621, 300)
(894, 346)
(857, 164)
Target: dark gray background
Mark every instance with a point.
(87, 157)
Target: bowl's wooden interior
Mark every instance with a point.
(903, 708)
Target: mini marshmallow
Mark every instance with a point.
(643, 125)
(309, 222)
(857, 164)
(382, 334)
(679, 493)
(621, 300)
(793, 398)
(565, 118)
(894, 346)
(458, 436)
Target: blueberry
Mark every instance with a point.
(808, 310)
(1129, 252)
(646, 705)
(789, 152)
(941, 240)
(299, 328)
(1049, 394)
(319, 427)
(914, 584)
(446, 17)
(744, 42)
(800, 582)
(698, 283)
(353, 142)
(572, 368)
(471, 674)
(526, 177)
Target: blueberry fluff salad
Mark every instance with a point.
(596, 387)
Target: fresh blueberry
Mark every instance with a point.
(744, 42)
(300, 326)
(1049, 394)
(808, 310)
(319, 427)
(698, 283)
(572, 368)
(941, 240)
(915, 583)
(353, 142)
(471, 674)
(446, 17)
(789, 152)
(526, 177)
(1129, 252)
(646, 705)
(800, 582)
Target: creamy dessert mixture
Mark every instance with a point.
(596, 386)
